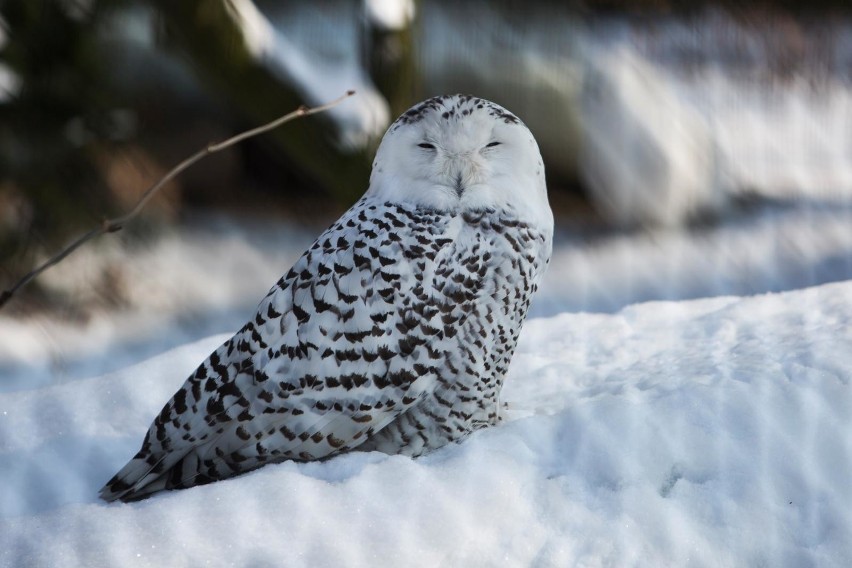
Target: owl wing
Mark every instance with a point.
(352, 336)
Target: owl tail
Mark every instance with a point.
(136, 480)
(145, 475)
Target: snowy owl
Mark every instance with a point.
(393, 331)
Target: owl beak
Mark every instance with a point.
(460, 173)
(459, 184)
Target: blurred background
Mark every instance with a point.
(692, 149)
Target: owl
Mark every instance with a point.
(393, 331)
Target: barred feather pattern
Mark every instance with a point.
(393, 332)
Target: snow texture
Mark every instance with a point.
(704, 433)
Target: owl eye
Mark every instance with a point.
(426, 145)
(492, 144)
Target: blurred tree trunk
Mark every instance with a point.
(217, 45)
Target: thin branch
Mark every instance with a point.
(113, 225)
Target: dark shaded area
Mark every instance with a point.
(94, 115)
(52, 131)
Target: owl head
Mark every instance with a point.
(457, 153)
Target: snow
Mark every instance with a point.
(10, 82)
(710, 432)
(678, 119)
(184, 285)
(644, 155)
(390, 15)
(360, 120)
(763, 248)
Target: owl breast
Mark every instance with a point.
(487, 280)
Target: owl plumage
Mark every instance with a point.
(393, 332)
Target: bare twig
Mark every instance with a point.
(113, 225)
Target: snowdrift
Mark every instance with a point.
(703, 433)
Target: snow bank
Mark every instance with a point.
(682, 117)
(702, 433)
(645, 154)
(768, 249)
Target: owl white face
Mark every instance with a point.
(457, 153)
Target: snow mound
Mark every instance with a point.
(646, 156)
(678, 119)
(702, 433)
